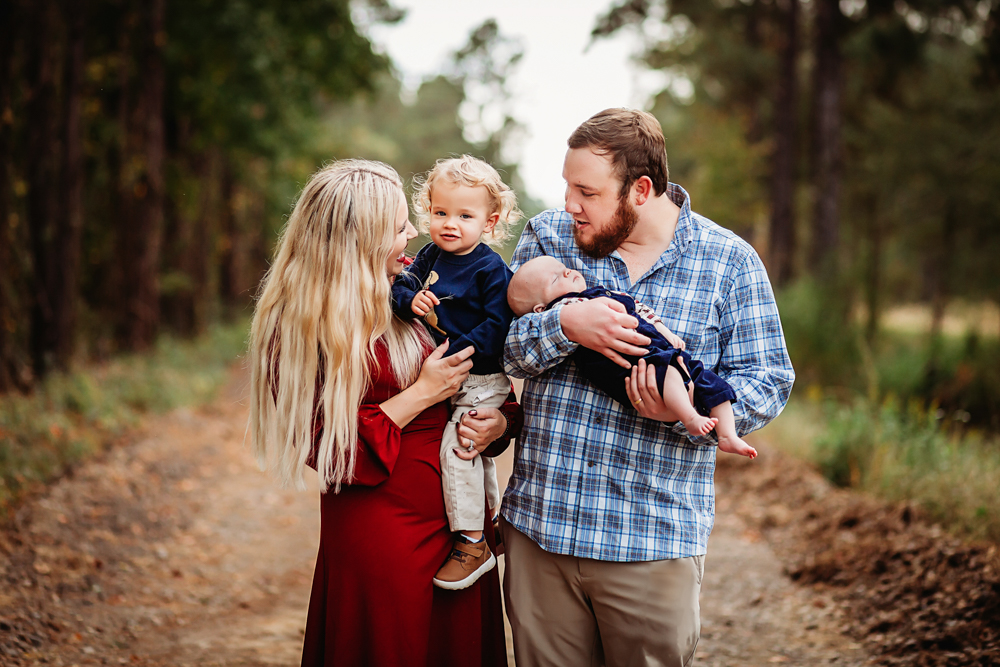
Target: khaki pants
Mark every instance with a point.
(469, 485)
(566, 610)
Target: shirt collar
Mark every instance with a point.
(684, 232)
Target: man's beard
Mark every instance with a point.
(607, 241)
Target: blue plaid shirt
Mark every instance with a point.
(594, 479)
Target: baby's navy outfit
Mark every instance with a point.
(710, 390)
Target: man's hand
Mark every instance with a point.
(602, 325)
(423, 302)
(645, 395)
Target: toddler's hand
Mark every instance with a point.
(423, 302)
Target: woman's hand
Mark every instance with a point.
(646, 398)
(479, 428)
(440, 377)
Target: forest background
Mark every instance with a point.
(150, 152)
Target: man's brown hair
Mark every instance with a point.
(634, 142)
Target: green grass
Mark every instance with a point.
(71, 416)
(959, 370)
(906, 416)
(899, 452)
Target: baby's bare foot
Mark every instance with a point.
(734, 445)
(698, 425)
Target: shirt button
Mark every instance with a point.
(590, 464)
(598, 420)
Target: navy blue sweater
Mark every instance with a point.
(473, 293)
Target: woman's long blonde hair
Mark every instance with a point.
(323, 307)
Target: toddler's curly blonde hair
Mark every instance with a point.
(472, 172)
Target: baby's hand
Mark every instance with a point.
(672, 338)
(423, 302)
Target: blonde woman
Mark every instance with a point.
(342, 386)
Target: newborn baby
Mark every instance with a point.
(699, 396)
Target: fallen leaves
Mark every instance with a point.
(917, 595)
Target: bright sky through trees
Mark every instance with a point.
(557, 85)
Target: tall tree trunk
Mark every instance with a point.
(141, 257)
(827, 137)
(231, 258)
(177, 309)
(938, 277)
(70, 231)
(781, 245)
(873, 282)
(755, 127)
(118, 278)
(258, 252)
(43, 177)
(203, 255)
(7, 359)
(176, 303)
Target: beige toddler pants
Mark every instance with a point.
(469, 485)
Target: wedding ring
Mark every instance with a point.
(638, 402)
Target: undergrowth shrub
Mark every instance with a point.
(906, 417)
(905, 451)
(822, 342)
(960, 374)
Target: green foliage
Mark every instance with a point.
(958, 374)
(72, 416)
(248, 74)
(411, 135)
(823, 344)
(197, 122)
(712, 159)
(906, 451)
(924, 164)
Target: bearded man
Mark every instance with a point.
(607, 515)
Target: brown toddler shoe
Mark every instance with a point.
(466, 563)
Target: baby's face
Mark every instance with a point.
(552, 279)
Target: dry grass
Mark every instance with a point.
(960, 319)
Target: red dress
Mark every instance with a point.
(382, 539)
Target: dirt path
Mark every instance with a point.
(176, 550)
